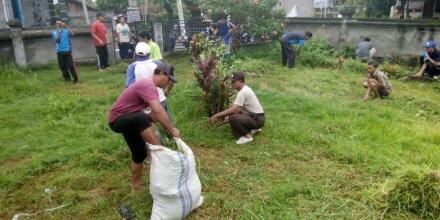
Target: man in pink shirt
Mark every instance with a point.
(100, 40)
(133, 112)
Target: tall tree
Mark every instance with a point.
(379, 8)
(117, 5)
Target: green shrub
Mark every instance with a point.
(348, 51)
(354, 66)
(394, 70)
(417, 192)
(316, 53)
(271, 51)
(250, 65)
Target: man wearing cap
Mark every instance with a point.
(288, 43)
(143, 68)
(431, 61)
(127, 116)
(61, 36)
(100, 40)
(246, 115)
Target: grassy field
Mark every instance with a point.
(323, 153)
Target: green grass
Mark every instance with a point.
(323, 153)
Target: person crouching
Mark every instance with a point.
(246, 115)
(377, 83)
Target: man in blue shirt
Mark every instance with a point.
(431, 61)
(225, 27)
(288, 42)
(61, 36)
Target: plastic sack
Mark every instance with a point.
(174, 183)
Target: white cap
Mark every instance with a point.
(142, 49)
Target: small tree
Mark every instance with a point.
(257, 17)
(210, 73)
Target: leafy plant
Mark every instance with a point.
(257, 17)
(354, 66)
(348, 51)
(208, 57)
(316, 53)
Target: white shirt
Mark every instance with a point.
(145, 69)
(246, 99)
(123, 31)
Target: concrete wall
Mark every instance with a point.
(35, 13)
(39, 48)
(389, 37)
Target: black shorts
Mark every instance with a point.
(383, 92)
(131, 125)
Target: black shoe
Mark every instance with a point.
(75, 81)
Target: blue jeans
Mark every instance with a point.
(124, 50)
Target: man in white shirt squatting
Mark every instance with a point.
(246, 115)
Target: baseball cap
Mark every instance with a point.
(430, 44)
(237, 76)
(142, 49)
(168, 69)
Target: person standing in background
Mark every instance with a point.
(155, 54)
(124, 33)
(61, 36)
(100, 40)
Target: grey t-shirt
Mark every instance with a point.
(364, 48)
(383, 79)
(246, 99)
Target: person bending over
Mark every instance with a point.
(129, 117)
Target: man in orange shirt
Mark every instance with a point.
(100, 40)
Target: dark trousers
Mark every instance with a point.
(66, 64)
(131, 125)
(242, 124)
(288, 54)
(124, 50)
(431, 69)
(102, 53)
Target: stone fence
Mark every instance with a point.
(34, 46)
(389, 37)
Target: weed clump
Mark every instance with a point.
(316, 53)
(354, 66)
(416, 192)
